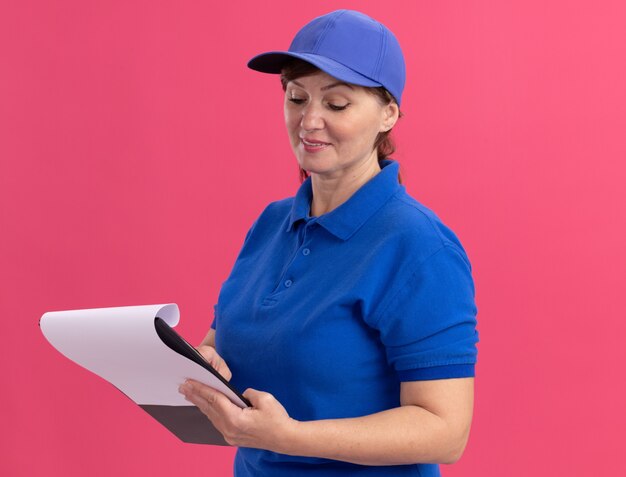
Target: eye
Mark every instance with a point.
(335, 107)
(296, 100)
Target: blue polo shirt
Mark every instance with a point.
(331, 313)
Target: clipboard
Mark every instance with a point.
(136, 349)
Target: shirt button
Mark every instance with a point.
(288, 283)
(306, 251)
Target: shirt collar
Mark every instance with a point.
(346, 219)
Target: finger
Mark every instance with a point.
(217, 401)
(222, 368)
(205, 407)
(214, 359)
(207, 352)
(224, 415)
(210, 355)
(258, 399)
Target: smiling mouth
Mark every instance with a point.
(313, 144)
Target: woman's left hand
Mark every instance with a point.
(265, 425)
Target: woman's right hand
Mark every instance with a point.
(210, 354)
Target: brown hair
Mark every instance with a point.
(383, 143)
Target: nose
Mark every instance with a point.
(312, 117)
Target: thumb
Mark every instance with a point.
(258, 399)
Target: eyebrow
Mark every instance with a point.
(328, 86)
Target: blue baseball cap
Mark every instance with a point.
(347, 45)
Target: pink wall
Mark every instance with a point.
(136, 149)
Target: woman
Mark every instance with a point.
(349, 315)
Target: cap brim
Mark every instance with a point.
(273, 61)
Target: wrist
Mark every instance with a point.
(289, 438)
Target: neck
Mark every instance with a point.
(329, 192)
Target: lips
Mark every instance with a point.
(313, 142)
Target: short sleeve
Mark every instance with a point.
(245, 241)
(428, 326)
(214, 324)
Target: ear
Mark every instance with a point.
(391, 113)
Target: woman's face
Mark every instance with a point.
(332, 125)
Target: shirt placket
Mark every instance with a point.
(298, 265)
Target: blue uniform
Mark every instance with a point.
(331, 313)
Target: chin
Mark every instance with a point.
(313, 168)
(314, 161)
